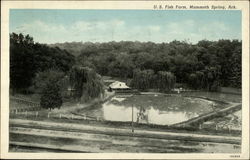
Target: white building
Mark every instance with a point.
(118, 86)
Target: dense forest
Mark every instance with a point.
(205, 65)
(28, 60)
(49, 72)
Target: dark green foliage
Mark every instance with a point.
(48, 58)
(51, 97)
(195, 80)
(194, 64)
(211, 77)
(165, 81)
(49, 76)
(143, 80)
(235, 69)
(205, 65)
(147, 79)
(86, 84)
(28, 58)
(22, 61)
(49, 84)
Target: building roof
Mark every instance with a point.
(118, 85)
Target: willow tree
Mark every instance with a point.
(195, 80)
(147, 79)
(166, 81)
(143, 80)
(211, 78)
(85, 83)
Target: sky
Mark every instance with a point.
(59, 25)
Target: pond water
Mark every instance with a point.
(153, 109)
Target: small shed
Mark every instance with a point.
(117, 85)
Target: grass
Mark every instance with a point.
(153, 127)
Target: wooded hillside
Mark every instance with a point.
(207, 64)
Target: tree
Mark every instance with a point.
(213, 63)
(211, 78)
(195, 80)
(86, 83)
(51, 97)
(122, 66)
(165, 81)
(235, 69)
(94, 86)
(48, 76)
(22, 68)
(28, 58)
(143, 79)
(146, 79)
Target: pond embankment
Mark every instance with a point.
(206, 117)
(93, 103)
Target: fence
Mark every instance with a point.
(46, 114)
(22, 105)
(25, 108)
(226, 127)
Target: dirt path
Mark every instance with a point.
(71, 141)
(126, 131)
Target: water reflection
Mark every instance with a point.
(164, 110)
(122, 113)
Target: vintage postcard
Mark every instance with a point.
(125, 79)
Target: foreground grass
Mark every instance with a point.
(114, 144)
(89, 138)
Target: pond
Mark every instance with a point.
(153, 109)
(216, 95)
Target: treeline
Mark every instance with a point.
(28, 60)
(205, 65)
(50, 72)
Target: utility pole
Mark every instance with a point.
(132, 118)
